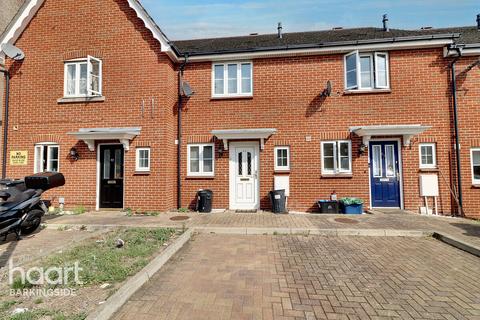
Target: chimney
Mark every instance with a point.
(478, 22)
(279, 29)
(385, 23)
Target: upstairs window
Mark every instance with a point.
(336, 157)
(232, 79)
(366, 71)
(428, 157)
(83, 78)
(46, 157)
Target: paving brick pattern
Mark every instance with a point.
(298, 277)
(463, 229)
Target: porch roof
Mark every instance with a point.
(405, 130)
(90, 135)
(236, 134)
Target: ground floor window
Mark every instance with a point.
(475, 157)
(200, 159)
(46, 157)
(428, 157)
(336, 157)
(282, 158)
(142, 162)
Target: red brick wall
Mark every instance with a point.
(468, 95)
(286, 98)
(134, 69)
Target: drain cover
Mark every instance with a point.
(179, 218)
(346, 220)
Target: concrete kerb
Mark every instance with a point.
(119, 298)
(448, 239)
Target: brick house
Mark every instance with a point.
(360, 112)
(9, 9)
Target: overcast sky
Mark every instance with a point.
(187, 19)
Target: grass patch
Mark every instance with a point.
(5, 305)
(45, 314)
(79, 210)
(102, 262)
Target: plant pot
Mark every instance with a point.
(353, 209)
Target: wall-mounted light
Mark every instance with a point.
(74, 154)
(362, 149)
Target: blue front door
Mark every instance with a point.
(384, 174)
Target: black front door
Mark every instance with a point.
(111, 176)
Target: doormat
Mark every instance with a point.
(346, 220)
(245, 211)
(179, 218)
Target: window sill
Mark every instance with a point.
(231, 97)
(81, 99)
(285, 171)
(193, 177)
(428, 170)
(363, 91)
(476, 186)
(141, 173)
(336, 175)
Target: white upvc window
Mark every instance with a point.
(366, 71)
(200, 160)
(428, 156)
(232, 79)
(47, 157)
(475, 159)
(83, 78)
(336, 157)
(142, 159)
(282, 158)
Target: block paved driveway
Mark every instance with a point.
(299, 277)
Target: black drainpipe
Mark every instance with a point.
(455, 119)
(179, 132)
(5, 123)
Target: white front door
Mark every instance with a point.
(244, 186)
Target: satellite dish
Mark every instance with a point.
(328, 89)
(187, 90)
(13, 52)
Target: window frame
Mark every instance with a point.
(472, 165)
(36, 156)
(77, 63)
(336, 158)
(276, 166)
(137, 159)
(200, 172)
(239, 92)
(373, 72)
(434, 155)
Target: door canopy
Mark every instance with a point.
(407, 131)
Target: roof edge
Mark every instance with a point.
(450, 36)
(30, 8)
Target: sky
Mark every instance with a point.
(190, 19)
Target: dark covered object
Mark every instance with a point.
(45, 180)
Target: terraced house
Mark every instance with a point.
(136, 120)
